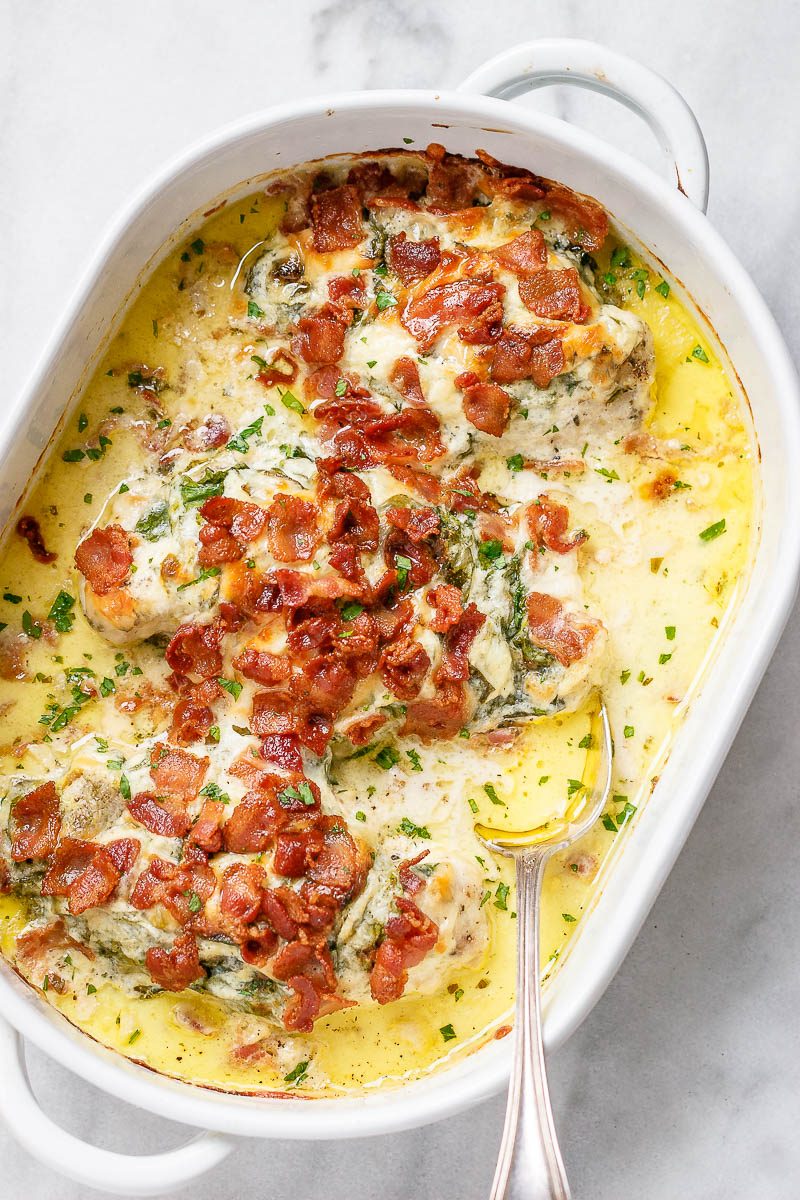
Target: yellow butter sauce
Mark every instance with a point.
(663, 583)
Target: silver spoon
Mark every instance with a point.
(530, 1166)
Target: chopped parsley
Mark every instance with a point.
(297, 1074)
(416, 761)
(700, 354)
(196, 492)
(567, 917)
(125, 787)
(447, 1032)
(387, 758)
(629, 731)
(155, 523)
(515, 463)
(215, 792)
(253, 310)
(31, 627)
(289, 400)
(493, 796)
(241, 441)
(293, 794)
(669, 630)
(408, 827)
(489, 552)
(713, 531)
(231, 686)
(501, 897)
(384, 300)
(206, 573)
(663, 288)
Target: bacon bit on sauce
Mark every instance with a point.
(293, 531)
(36, 823)
(28, 528)
(403, 666)
(404, 375)
(410, 260)
(454, 303)
(173, 886)
(262, 666)
(176, 968)
(210, 435)
(487, 407)
(282, 369)
(104, 559)
(524, 255)
(194, 649)
(555, 295)
(548, 522)
(165, 816)
(177, 772)
(449, 605)
(410, 881)
(336, 219)
(87, 873)
(535, 354)
(320, 337)
(564, 636)
(408, 938)
(661, 487)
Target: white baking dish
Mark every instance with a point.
(657, 218)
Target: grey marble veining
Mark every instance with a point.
(684, 1079)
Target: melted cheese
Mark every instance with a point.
(663, 591)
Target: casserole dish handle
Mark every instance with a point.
(589, 65)
(105, 1170)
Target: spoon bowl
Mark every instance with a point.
(530, 1166)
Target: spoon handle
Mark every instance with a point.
(530, 1165)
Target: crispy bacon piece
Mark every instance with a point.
(210, 435)
(296, 849)
(281, 369)
(403, 666)
(411, 260)
(283, 750)
(252, 825)
(548, 522)
(191, 721)
(524, 255)
(293, 529)
(418, 523)
(37, 942)
(458, 640)
(367, 435)
(340, 870)
(555, 295)
(398, 546)
(86, 872)
(218, 546)
(194, 650)
(348, 292)
(457, 302)
(404, 375)
(336, 219)
(28, 529)
(244, 520)
(174, 886)
(177, 772)
(36, 822)
(535, 354)
(285, 911)
(240, 897)
(408, 939)
(104, 559)
(308, 970)
(177, 968)
(564, 636)
(452, 181)
(320, 336)
(586, 221)
(163, 815)
(262, 666)
(355, 523)
(207, 829)
(487, 407)
(361, 731)
(410, 881)
(449, 605)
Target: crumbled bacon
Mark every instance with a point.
(262, 666)
(487, 407)
(441, 716)
(174, 886)
(555, 295)
(37, 942)
(412, 260)
(104, 559)
(240, 896)
(416, 522)
(361, 731)
(194, 650)
(524, 255)
(548, 522)
(355, 523)
(162, 815)
(454, 303)
(410, 881)
(36, 823)
(207, 829)
(231, 525)
(28, 529)
(292, 528)
(404, 375)
(296, 849)
(535, 354)
(86, 872)
(336, 219)
(564, 636)
(320, 337)
(403, 666)
(348, 292)
(177, 772)
(280, 369)
(210, 435)
(176, 968)
(408, 938)
(368, 436)
(449, 605)
(458, 640)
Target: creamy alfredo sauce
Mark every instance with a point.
(670, 521)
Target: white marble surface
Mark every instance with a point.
(684, 1080)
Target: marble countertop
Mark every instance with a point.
(683, 1081)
